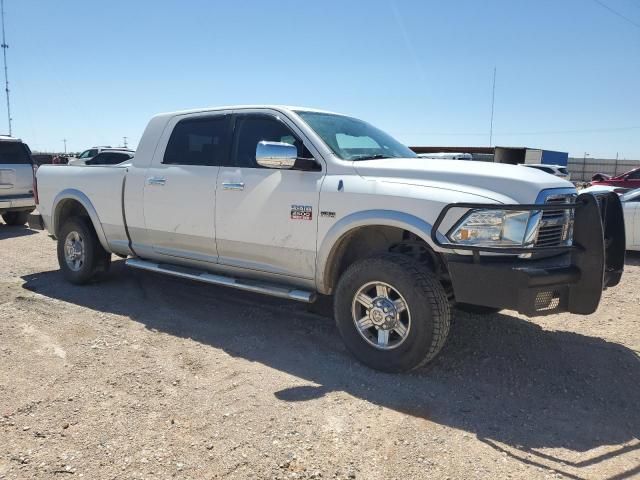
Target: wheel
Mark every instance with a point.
(392, 312)
(15, 218)
(80, 254)
(477, 309)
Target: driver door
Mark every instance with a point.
(266, 219)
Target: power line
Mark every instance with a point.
(615, 12)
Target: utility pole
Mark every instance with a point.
(493, 101)
(6, 75)
(65, 144)
(124, 142)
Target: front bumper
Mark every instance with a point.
(572, 280)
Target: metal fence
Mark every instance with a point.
(582, 169)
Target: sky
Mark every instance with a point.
(568, 71)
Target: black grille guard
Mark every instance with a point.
(598, 247)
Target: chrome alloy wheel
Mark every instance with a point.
(381, 315)
(74, 253)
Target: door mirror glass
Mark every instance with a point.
(276, 155)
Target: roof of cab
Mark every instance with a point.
(286, 108)
(7, 138)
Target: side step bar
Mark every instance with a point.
(206, 277)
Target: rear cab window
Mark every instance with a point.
(14, 153)
(199, 141)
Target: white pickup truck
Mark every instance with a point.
(293, 202)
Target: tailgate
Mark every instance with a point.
(16, 179)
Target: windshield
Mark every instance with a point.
(353, 139)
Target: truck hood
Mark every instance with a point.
(494, 181)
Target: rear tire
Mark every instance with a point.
(80, 254)
(16, 218)
(402, 309)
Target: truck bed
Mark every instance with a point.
(101, 183)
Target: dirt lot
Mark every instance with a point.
(143, 376)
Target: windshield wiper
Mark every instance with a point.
(370, 157)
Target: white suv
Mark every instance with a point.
(102, 156)
(16, 181)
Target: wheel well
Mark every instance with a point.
(66, 209)
(366, 241)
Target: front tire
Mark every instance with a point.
(392, 313)
(80, 254)
(15, 218)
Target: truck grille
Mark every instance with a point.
(555, 225)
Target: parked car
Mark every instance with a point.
(88, 154)
(111, 156)
(107, 156)
(630, 180)
(292, 202)
(16, 181)
(631, 207)
(557, 170)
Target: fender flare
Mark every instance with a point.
(82, 199)
(346, 225)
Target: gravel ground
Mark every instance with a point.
(143, 376)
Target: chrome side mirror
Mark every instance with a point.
(276, 155)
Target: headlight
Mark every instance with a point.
(491, 228)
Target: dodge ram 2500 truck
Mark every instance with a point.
(293, 202)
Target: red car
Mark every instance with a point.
(629, 180)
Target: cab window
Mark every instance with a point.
(252, 129)
(199, 141)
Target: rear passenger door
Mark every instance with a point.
(179, 192)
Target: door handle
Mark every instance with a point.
(233, 185)
(156, 181)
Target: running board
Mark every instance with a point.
(206, 277)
